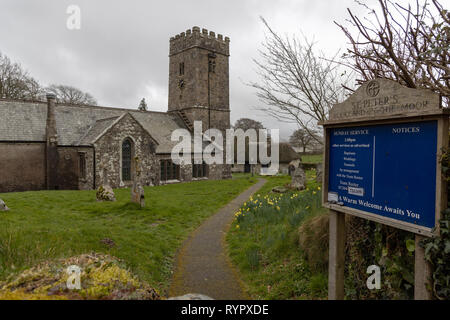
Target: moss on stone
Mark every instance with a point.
(102, 277)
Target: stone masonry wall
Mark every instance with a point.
(185, 170)
(109, 153)
(22, 166)
(87, 183)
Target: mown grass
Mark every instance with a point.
(263, 243)
(312, 158)
(46, 225)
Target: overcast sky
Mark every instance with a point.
(120, 54)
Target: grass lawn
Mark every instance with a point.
(46, 225)
(313, 158)
(263, 243)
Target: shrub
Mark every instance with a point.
(318, 285)
(102, 277)
(313, 240)
(253, 257)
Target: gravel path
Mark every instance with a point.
(202, 265)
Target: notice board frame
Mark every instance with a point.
(442, 140)
(381, 102)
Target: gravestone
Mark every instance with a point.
(3, 206)
(298, 179)
(279, 189)
(137, 191)
(294, 164)
(105, 192)
(319, 173)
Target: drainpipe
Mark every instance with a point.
(51, 144)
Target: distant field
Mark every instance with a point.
(45, 225)
(314, 158)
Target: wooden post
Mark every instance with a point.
(337, 256)
(422, 273)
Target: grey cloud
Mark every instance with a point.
(121, 52)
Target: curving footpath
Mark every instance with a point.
(202, 265)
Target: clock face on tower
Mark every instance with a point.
(181, 84)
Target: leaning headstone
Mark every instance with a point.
(137, 194)
(192, 296)
(298, 179)
(137, 191)
(279, 189)
(294, 164)
(3, 206)
(319, 172)
(105, 192)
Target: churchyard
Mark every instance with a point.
(44, 226)
(107, 203)
(48, 225)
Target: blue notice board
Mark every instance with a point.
(388, 170)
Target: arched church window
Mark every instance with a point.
(126, 159)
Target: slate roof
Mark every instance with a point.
(96, 130)
(22, 121)
(77, 125)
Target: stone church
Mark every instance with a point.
(49, 145)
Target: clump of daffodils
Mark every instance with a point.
(296, 203)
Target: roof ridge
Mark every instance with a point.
(22, 100)
(85, 106)
(105, 119)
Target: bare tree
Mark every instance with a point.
(303, 139)
(408, 44)
(71, 95)
(16, 83)
(297, 84)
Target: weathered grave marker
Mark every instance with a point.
(137, 191)
(104, 191)
(382, 151)
(3, 206)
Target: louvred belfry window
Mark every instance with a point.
(212, 66)
(126, 160)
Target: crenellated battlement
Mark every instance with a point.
(199, 38)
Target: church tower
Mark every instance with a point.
(199, 78)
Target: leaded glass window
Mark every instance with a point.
(169, 170)
(199, 170)
(126, 160)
